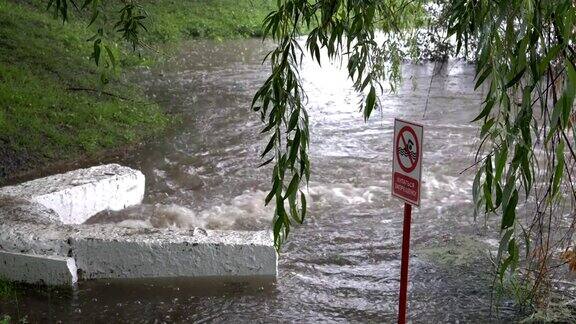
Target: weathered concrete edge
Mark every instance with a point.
(169, 254)
(77, 195)
(38, 269)
(106, 251)
(31, 227)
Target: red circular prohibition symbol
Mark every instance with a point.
(413, 161)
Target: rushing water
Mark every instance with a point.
(343, 264)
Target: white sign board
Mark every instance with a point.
(407, 161)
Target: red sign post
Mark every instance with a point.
(406, 185)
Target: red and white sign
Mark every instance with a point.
(407, 161)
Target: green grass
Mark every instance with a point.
(462, 250)
(175, 20)
(42, 120)
(10, 292)
(7, 289)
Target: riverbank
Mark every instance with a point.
(51, 109)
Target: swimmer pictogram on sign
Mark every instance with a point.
(407, 149)
(407, 166)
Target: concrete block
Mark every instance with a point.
(35, 238)
(111, 252)
(22, 210)
(37, 269)
(40, 241)
(77, 195)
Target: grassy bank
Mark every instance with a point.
(174, 20)
(7, 292)
(44, 117)
(41, 118)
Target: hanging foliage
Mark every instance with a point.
(334, 29)
(526, 60)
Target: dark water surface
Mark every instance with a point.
(343, 264)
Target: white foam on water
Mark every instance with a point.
(345, 193)
(135, 223)
(244, 212)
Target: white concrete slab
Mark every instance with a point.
(102, 252)
(77, 195)
(105, 251)
(22, 210)
(30, 238)
(42, 242)
(37, 269)
(28, 227)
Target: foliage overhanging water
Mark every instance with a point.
(343, 264)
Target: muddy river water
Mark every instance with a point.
(343, 264)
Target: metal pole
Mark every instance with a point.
(404, 265)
